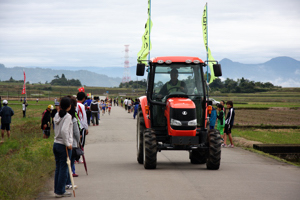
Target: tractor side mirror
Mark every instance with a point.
(217, 70)
(140, 69)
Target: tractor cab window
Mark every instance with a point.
(177, 79)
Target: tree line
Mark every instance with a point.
(63, 81)
(227, 86)
(240, 86)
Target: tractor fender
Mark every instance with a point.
(143, 103)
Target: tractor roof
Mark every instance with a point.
(175, 59)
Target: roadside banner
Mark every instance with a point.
(146, 46)
(205, 35)
(24, 85)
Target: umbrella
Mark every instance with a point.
(70, 171)
(84, 163)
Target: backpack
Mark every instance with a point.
(94, 107)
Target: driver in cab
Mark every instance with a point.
(174, 85)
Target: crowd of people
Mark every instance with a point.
(224, 123)
(130, 105)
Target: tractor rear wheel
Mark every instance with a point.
(150, 149)
(214, 152)
(139, 136)
(197, 156)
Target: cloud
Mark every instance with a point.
(94, 32)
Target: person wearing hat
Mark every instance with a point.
(5, 114)
(174, 85)
(54, 111)
(45, 126)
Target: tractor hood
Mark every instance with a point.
(183, 103)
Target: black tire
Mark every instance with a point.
(140, 127)
(214, 152)
(150, 149)
(197, 156)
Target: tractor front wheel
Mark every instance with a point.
(150, 149)
(214, 152)
(139, 137)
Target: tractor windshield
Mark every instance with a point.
(178, 79)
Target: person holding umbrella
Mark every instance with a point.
(63, 140)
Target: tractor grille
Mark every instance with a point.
(183, 115)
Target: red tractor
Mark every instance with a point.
(173, 114)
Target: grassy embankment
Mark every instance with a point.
(26, 160)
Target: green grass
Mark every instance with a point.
(26, 160)
(269, 136)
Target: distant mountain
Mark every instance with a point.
(281, 71)
(35, 75)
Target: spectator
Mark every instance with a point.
(222, 102)
(212, 118)
(129, 103)
(121, 101)
(24, 106)
(5, 114)
(88, 101)
(136, 107)
(221, 120)
(229, 123)
(45, 126)
(63, 141)
(80, 109)
(54, 111)
(76, 138)
(125, 103)
(95, 111)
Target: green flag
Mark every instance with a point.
(142, 55)
(147, 46)
(210, 57)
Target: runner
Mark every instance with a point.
(109, 107)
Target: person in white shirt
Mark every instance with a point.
(125, 103)
(80, 109)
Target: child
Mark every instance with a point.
(109, 106)
(63, 141)
(212, 118)
(229, 123)
(221, 120)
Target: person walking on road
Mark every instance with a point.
(63, 141)
(95, 111)
(45, 125)
(5, 113)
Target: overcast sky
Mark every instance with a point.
(93, 32)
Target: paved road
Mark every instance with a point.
(115, 174)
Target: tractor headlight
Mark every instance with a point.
(175, 122)
(192, 122)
